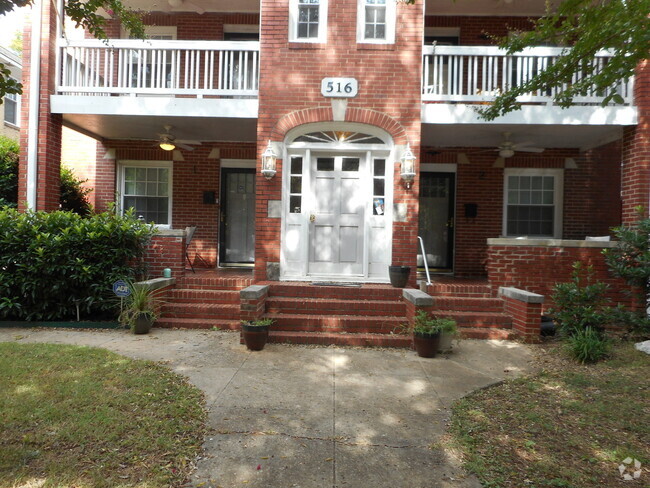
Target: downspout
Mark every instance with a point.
(34, 102)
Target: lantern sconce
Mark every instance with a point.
(268, 162)
(408, 166)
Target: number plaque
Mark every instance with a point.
(339, 87)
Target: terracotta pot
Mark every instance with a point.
(255, 336)
(143, 324)
(426, 345)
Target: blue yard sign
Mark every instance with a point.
(121, 288)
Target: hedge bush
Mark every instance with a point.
(9, 151)
(52, 263)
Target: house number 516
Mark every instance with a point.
(339, 87)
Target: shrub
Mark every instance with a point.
(580, 303)
(53, 263)
(74, 196)
(9, 153)
(425, 324)
(588, 345)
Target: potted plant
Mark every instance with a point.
(426, 334)
(255, 333)
(399, 275)
(448, 332)
(140, 309)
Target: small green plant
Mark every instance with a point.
(580, 303)
(141, 302)
(258, 322)
(425, 324)
(588, 345)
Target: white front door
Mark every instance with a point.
(337, 215)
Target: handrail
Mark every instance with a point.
(424, 259)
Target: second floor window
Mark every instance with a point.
(11, 108)
(376, 21)
(309, 20)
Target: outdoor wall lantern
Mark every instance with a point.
(268, 162)
(408, 166)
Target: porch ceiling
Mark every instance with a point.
(582, 137)
(147, 127)
(198, 6)
(486, 7)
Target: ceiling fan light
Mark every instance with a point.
(167, 146)
(506, 153)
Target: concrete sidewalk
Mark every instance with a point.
(300, 416)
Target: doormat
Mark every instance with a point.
(335, 283)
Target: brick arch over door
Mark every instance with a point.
(324, 114)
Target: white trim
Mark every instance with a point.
(338, 126)
(439, 168)
(137, 163)
(322, 23)
(238, 163)
(391, 18)
(558, 196)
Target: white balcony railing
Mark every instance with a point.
(136, 67)
(474, 74)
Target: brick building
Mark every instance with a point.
(314, 141)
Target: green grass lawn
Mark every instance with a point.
(567, 426)
(84, 417)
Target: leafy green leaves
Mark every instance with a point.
(52, 263)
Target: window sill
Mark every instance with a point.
(13, 126)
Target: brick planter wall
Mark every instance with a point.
(166, 251)
(536, 265)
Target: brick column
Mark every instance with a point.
(253, 301)
(48, 155)
(525, 308)
(635, 177)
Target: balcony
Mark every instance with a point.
(178, 68)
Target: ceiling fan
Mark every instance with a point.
(507, 149)
(177, 6)
(168, 142)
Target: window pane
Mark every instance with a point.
(325, 164)
(379, 185)
(536, 197)
(295, 203)
(380, 32)
(152, 189)
(296, 166)
(296, 184)
(536, 182)
(380, 167)
(370, 32)
(548, 198)
(129, 174)
(303, 14)
(548, 183)
(513, 182)
(513, 197)
(152, 174)
(163, 189)
(141, 174)
(129, 188)
(140, 188)
(524, 182)
(350, 164)
(313, 31)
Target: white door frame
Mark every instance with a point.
(295, 226)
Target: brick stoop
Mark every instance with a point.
(368, 315)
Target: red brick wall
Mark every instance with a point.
(591, 196)
(537, 269)
(389, 88)
(165, 252)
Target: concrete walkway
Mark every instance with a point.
(300, 416)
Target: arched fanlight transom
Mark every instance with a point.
(339, 136)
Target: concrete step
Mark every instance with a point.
(477, 319)
(336, 323)
(202, 323)
(307, 290)
(188, 295)
(328, 306)
(340, 339)
(228, 311)
(468, 304)
(487, 333)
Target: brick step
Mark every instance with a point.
(477, 319)
(307, 290)
(327, 306)
(187, 323)
(340, 339)
(213, 283)
(469, 304)
(487, 333)
(337, 323)
(188, 295)
(228, 311)
(477, 290)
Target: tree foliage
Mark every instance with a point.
(74, 196)
(588, 26)
(86, 14)
(9, 153)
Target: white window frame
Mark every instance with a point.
(391, 18)
(130, 163)
(15, 98)
(322, 23)
(558, 197)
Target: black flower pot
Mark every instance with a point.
(426, 345)
(399, 275)
(255, 336)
